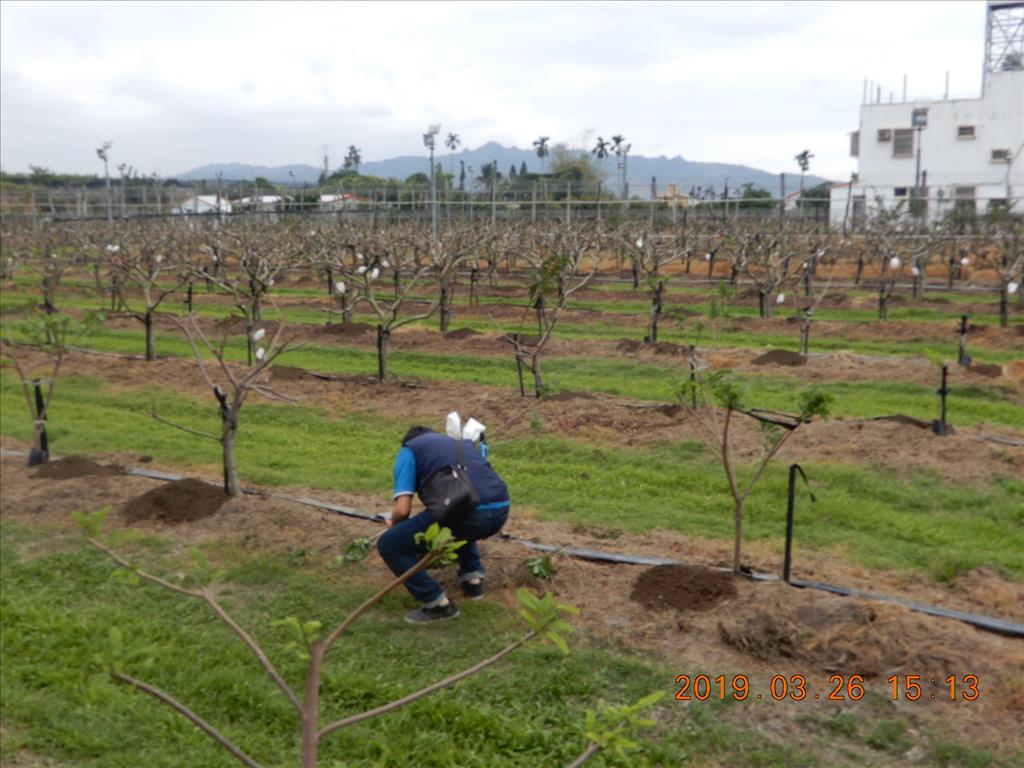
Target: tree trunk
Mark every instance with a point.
(762, 304)
(231, 486)
(382, 352)
(805, 334)
(737, 559)
(538, 382)
(445, 314)
(860, 269)
(311, 707)
(1004, 306)
(150, 346)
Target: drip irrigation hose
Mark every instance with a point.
(993, 624)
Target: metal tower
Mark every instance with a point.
(1004, 36)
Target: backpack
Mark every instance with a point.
(448, 494)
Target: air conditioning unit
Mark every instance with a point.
(885, 134)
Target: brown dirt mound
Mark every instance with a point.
(910, 421)
(780, 357)
(670, 348)
(840, 634)
(461, 333)
(683, 587)
(561, 396)
(72, 466)
(348, 329)
(179, 502)
(629, 345)
(287, 373)
(986, 369)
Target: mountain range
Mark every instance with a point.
(685, 173)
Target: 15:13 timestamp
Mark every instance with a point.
(912, 687)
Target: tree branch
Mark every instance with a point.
(251, 644)
(191, 431)
(451, 680)
(196, 720)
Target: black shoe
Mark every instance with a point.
(437, 613)
(473, 591)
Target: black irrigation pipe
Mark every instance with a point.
(989, 623)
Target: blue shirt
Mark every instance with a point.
(405, 478)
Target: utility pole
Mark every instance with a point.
(102, 154)
(428, 142)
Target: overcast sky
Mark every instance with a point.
(177, 85)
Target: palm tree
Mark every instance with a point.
(353, 159)
(541, 145)
(619, 147)
(804, 161)
(452, 142)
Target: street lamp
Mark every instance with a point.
(101, 152)
(919, 121)
(428, 142)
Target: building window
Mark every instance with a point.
(1000, 155)
(885, 134)
(855, 144)
(899, 192)
(965, 131)
(997, 204)
(903, 142)
(963, 199)
(860, 207)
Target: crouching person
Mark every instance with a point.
(423, 453)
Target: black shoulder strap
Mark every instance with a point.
(460, 451)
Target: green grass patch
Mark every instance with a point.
(864, 515)
(57, 609)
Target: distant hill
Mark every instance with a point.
(685, 173)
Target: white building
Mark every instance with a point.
(949, 153)
(205, 204)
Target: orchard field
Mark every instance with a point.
(645, 391)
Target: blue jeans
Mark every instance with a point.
(398, 548)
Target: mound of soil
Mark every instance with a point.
(659, 347)
(349, 329)
(683, 587)
(992, 371)
(780, 357)
(71, 467)
(910, 421)
(179, 502)
(562, 396)
(287, 373)
(837, 634)
(461, 333)
(670, 348)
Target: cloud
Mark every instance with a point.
(181, 84)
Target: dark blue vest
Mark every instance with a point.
(433, 451)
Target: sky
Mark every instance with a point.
(177, 85)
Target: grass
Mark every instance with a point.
(968, 406)
(608, 325)
(864, 515)
(59, 604)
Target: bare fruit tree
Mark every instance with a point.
(231, 397)
(558, 267)
(143, 263)
(649, 256)
(36, 348)
(709, 392)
